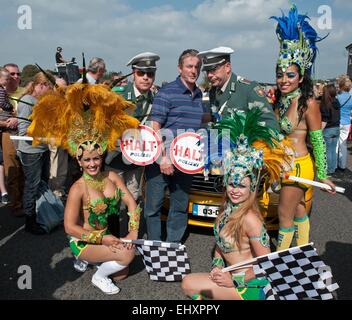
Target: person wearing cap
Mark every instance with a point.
(177, 107)
(58, 56)
(230, 92)
(139, 93)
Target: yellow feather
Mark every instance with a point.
(54, 115)
(278, 159)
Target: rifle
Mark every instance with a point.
(116, 81)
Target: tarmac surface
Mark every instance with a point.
(50, 260)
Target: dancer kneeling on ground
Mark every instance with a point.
(87, 120)
(239, 229)
(99, 194)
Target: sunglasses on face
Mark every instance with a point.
(289, 75)
(15, 73)
(150, 74)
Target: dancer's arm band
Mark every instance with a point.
(217, 262)
(135, 216)
(319, 150)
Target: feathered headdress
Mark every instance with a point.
(253, 147)
(297, 41)
(80, 117)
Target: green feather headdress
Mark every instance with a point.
(253, 146)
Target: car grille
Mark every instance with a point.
(213, 185)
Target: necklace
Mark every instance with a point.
(97, 183)
(229, 208)
(286, 100)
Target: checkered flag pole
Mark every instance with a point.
(155, 243)
(295, 274)
(164, 261)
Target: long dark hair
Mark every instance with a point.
(329, 95)
(306, 87)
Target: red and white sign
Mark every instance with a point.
(186, 153)
(140, 146)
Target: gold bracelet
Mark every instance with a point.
(135, 216)
(94, 237)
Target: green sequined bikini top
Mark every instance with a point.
(100, 208)
(229, 246)
(223, 244)
(286, 125)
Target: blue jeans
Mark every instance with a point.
(331, 137)
(179, 185)
(35, 168)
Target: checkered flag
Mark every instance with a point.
(295, 274)
(164, 261)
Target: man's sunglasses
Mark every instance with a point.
(150, 74)
(15, 73)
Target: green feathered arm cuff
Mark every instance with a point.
(319, 150)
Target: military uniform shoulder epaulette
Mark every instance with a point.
(243, 80)
(259, 90)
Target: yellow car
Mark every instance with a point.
(206, 197)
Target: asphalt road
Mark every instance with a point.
(53, 277)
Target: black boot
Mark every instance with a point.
(32, 226)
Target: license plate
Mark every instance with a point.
(205, 211)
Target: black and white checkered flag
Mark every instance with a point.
(164, 261)
(295, 274)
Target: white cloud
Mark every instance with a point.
(237, 13)
(115, 31)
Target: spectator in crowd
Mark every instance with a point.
(177, 105)
(4, 195)
(60, 82)
(119, 75)
(58, 56)
(34, 159)
(318, 91)
(12, 165)
(95, 71)
(5, 105)
(106, 82)
(58, 160)
(345, 99)
(330, 113)
(6, 111)
(155, 88)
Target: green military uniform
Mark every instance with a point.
(142, 103)
(237, 95)
(145, 62)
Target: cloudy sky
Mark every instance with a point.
(116, 30)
